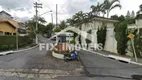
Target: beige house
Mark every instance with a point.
(6, 17)
(6, 28)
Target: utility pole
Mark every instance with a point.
(17, 39)
(52, 18)
(37, 5)
(56, 15)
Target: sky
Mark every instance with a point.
(23, 10)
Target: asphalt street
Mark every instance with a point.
(99, 66)
(96, 67)
(33, 62)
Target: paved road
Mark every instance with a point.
(33, 62)
(29, 59)
(25, 59)
(98, 66)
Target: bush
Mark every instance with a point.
(10, 41)
(61, 52)
(72, 42)
(11, 47)
(121, 37)
(4, 47)
(57, 29)
(101, 35)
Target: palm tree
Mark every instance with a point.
(96, 9)
(140, 7)
(78, 18)
(70, 21)
(109, 5)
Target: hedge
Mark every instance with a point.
(9, 42)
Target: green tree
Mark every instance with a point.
(63, 24)
(121, 37)
(101, 35)
(32, 26)
(96, 10)
(115, 17)
(57, 29)
(39, 19)
(140, 9)
(47, 30)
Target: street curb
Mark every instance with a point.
(131, 62)
(5, 53)
(10, 52)
(27, 49)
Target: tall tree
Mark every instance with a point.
(63, 24)
(40, 19)
(133, 14)
(140, 9)
(110, 5)
(128, 15)
(78, 18)
(32, 23)
(96, 10)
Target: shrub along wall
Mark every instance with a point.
(101, 35)
(9, 42)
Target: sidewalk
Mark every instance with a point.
(19, 50)
(111, 53)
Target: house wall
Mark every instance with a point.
(110, 44)
(139, 23)
(3, 15)
(4, 27)
(15, 23)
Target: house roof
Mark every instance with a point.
(8, 23)
(5, 13)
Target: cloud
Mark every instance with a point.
(16, 4)
(131, 5)
(66, 8)
(23, 19)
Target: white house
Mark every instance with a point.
(5, 15)
(111, 43)
(137, 25)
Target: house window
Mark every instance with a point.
(10, 33)
(14, 33)
(7, 33)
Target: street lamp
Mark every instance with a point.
(45, 12)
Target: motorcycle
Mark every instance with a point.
(72, 56)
